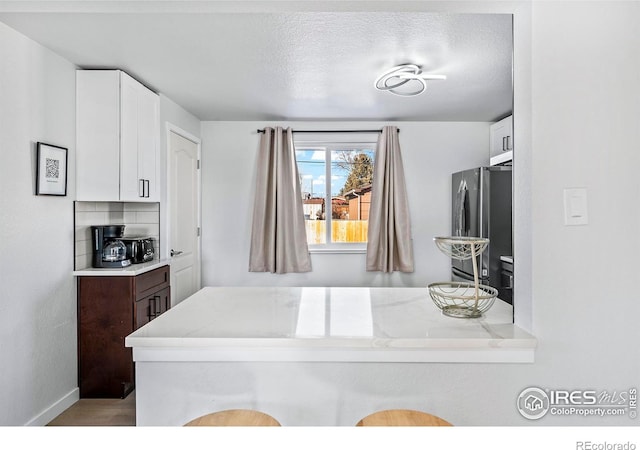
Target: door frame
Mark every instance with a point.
(171, 128)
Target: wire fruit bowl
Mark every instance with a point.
(461, 247)
(461, 299)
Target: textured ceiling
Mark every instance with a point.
(294, 65)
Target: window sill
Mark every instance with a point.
(338, 250)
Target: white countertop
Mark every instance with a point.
(326, 324)
(129, 271)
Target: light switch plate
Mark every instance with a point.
(575, 206)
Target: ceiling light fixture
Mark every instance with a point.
(401, 75)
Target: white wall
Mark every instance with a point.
(431, 153)
(586, 116)
(38, 366)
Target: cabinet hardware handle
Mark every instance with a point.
(147, 183)
(503, 145)
(140, 187)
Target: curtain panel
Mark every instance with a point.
(389, 246)
(278, 236)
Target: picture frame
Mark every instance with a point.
(51, 169)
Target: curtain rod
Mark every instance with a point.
(333, 131)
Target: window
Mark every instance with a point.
(335, 181)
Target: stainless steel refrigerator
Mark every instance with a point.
(481, 207)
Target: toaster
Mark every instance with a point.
(139, 249)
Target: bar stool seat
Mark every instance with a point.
(402, 418)
(235, 417)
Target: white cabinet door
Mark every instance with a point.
(149, 144)
(98, 135)
(139, 161)
(130, 187)
(501, 135)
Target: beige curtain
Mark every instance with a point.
(278, 236)
(389, 246)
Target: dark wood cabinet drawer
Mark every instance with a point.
(150, 307)
(150, 282)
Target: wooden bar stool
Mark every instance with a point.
(235, 418)
(402, 418)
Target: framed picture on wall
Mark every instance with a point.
(51, 170)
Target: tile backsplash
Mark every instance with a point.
(140, 219)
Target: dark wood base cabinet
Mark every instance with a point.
(109, 309)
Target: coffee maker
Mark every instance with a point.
(108, 248)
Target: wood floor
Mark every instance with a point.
(98, 412)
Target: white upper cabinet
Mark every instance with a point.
(501, 135)
(118, 134)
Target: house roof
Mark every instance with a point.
(359, 191)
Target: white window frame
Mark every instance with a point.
(328, 146)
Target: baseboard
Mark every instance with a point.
(55, 410)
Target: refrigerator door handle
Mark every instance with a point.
(460, 224)
(482, 274)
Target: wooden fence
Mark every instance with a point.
(342, 231)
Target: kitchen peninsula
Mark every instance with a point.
(307, 356)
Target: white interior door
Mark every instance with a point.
(184, 215)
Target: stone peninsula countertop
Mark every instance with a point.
(331, 324)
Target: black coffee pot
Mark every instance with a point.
(108, 249)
